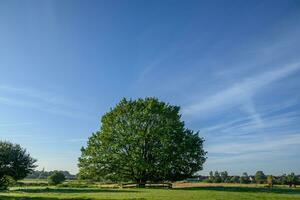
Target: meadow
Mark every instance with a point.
(180, 191)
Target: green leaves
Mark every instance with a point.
(260, 177)
(142, 140)
(15, 162)
(56, 178)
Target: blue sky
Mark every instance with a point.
(232, 66)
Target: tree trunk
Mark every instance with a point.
(141, 183)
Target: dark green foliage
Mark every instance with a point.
(217, 177)
(260, 177)
(142, 140)
(224, 177)
(245, 178)
(235, 179)
(4, 182)
(211, 177)
(45, 174)
(292, 180)
(56, 178)
(15, 163)
(282, 180)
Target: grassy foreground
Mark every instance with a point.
(201, 192)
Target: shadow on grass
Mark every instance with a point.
(33, 198)
(53, 198)
(72, 190)
(245, 189)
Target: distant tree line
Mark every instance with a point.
(259, 178)
(46, 174)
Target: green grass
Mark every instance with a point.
(201, 193)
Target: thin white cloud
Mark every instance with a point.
(74, 140)
(239, 93)
(267, 113)
(39, 100)
(272, 118)
(37, 95)
(271, 144)
(15, 124)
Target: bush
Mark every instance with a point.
(4, 183)
(56, 178)
(7, 181)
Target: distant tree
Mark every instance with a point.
(56, 178)
(292, 180)
(235, 179)
(224, 177)
(211, 177)
(260, 177)
(217, 177)
(45, 174)
(283, 179)
(245, 178)
(15, 163)
(142, 140)
(270, 180)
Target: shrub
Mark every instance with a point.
(7, 181)
(4, 183)
(56, 178)
(76, 185)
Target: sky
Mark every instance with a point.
(232, 66)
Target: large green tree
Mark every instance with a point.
(15, 162)
(142, 140)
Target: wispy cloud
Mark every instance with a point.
(272, 117)
(39, 100)
(270, 144)
(241, 92)
(74, 140)
(42, 96)
(15, 124)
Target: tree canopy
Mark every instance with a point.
(56, 178)
(142, 140)
(245, 178)
(15, 162)
(292, 179)
(260, 177)
(36, 174)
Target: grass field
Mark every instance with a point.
(181, 192)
